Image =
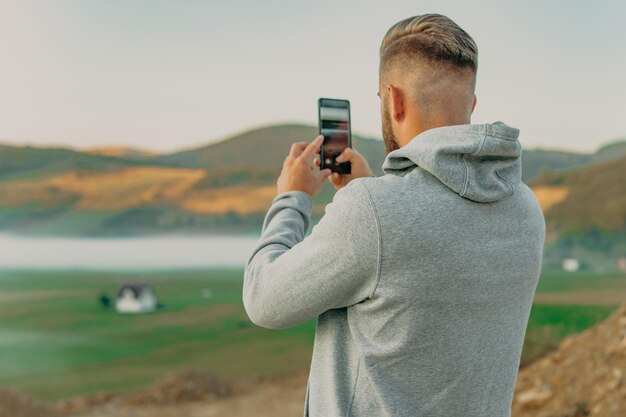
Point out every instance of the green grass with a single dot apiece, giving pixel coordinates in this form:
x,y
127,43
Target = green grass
x,y
567,318
57,341
549,324
561,281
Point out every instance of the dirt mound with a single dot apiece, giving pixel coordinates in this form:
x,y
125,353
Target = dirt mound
x,y
180,387
297,377
259,396
177,388
15,404
585,376
85,402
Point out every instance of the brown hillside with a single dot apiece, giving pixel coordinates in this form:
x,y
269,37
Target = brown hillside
x,y
585,376
595,197
133,187
39,187
102,190
240,199
550,195
121,151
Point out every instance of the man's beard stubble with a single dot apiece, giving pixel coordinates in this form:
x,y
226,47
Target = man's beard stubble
x,y
390,140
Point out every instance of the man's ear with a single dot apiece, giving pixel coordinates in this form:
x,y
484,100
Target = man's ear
x,y
396,101
473,104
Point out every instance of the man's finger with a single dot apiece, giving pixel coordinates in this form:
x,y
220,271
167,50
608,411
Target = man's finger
x,y
297,148
312,148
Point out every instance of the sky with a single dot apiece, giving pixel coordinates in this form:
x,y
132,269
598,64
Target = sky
x,y
171,75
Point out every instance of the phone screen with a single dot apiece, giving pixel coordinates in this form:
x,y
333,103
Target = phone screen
x,y
334,124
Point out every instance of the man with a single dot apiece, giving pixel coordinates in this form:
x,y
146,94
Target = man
x,y
422,279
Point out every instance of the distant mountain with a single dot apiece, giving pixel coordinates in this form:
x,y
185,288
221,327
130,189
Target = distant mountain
x,y
611,150
258,154
536,160
260,148
27,161
585,198
224,186
255,155
263,150
121,152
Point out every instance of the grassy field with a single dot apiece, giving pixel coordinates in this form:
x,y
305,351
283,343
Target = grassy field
x,y
568,303
57,341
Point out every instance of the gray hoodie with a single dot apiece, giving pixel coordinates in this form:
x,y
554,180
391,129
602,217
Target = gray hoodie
x,y
421,279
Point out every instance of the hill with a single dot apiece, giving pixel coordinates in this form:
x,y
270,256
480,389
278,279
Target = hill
x,y
257,155
611,150
121,151
253,156
225,186
28,161
534,161
261,148
262,151
591,197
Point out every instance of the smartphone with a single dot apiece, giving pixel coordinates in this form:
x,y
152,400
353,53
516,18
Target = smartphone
x,y
334,124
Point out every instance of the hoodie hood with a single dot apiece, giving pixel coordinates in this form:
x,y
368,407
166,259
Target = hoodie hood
x,y
479,162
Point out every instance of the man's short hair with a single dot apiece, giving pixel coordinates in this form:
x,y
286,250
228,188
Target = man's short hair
x,y
433,39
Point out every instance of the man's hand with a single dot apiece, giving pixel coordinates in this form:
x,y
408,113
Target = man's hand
x,y
297,172
358,168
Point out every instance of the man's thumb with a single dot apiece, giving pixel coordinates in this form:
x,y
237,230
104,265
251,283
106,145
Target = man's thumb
x,y
323,173
346,155
335,179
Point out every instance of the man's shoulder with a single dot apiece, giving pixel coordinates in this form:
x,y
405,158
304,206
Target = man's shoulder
x,y
391,186
361,195
372,193
355,192
352,205
364,188
382,182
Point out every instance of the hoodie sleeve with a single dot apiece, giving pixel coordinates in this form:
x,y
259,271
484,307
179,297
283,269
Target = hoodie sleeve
x,y
290,279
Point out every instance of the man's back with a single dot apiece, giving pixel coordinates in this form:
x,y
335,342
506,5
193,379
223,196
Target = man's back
x,y
450,240
442,335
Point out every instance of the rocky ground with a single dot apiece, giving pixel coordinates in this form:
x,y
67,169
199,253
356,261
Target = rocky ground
x,y
584,376
15,404
189,394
